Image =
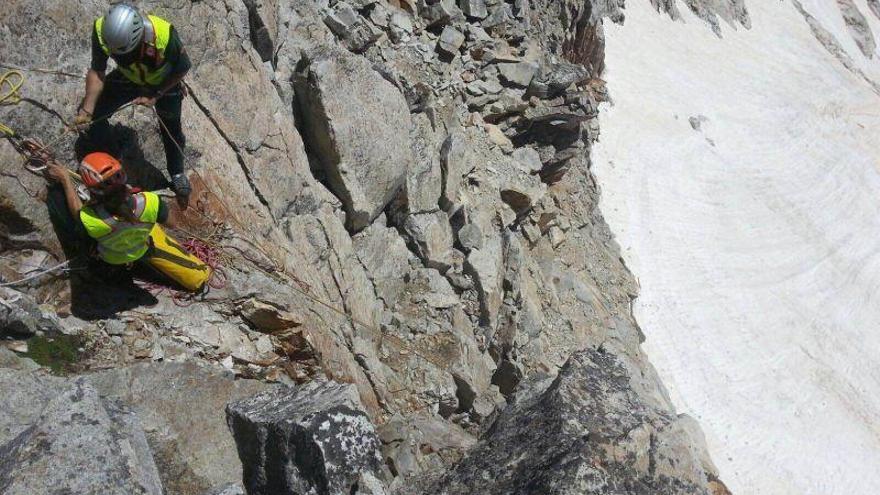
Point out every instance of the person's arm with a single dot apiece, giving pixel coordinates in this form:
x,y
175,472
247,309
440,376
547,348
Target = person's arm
x,y
94,86
94,81
62,175
173,80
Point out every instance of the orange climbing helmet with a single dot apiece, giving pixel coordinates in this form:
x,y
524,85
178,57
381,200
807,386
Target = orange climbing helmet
x,y
101,171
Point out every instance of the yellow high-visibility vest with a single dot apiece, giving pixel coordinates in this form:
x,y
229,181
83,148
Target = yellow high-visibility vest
x,y
157,34
121,241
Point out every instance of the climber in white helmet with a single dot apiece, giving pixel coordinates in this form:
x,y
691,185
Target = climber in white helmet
x,y
150,66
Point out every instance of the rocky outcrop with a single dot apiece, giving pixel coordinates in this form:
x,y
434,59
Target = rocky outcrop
x,y
11,360
352,119
310,439
432,237
401,198
732,12
827,39
180,406
78,442
178,410
421,443
590,431
874,5
21,316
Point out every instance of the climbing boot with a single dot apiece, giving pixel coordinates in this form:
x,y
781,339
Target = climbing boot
x,y
180,185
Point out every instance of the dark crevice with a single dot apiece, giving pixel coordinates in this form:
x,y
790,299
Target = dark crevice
x,y
315,165
305,122
259,34
506,377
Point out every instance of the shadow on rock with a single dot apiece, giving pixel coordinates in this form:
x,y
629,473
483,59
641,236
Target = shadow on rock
x,y
97,290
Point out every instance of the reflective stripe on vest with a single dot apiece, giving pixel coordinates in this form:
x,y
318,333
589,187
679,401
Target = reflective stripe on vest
x,y
120,241
157,34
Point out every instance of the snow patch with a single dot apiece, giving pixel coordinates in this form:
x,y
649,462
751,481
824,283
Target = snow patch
x,y
758,252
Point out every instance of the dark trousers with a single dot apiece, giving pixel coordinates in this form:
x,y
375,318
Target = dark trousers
x,y
117,92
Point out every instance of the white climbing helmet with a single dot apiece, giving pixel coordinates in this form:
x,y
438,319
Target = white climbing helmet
x,y
123,29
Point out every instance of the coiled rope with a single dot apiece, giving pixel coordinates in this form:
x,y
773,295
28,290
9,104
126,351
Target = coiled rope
x,y
10,96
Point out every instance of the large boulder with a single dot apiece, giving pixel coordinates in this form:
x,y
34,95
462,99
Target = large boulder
x,y
352,120
25,396
181,407
590,432
310,439
79,443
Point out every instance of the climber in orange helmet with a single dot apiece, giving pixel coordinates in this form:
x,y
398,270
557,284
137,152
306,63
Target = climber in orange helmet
x,y
125,223
118,219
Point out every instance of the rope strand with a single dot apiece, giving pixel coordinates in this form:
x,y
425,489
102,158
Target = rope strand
x,y
36,275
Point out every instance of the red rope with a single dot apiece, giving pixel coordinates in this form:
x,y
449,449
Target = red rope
x,y
209,255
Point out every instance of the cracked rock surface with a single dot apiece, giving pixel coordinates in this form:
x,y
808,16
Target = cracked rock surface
x,y
76,424
586,431
402,194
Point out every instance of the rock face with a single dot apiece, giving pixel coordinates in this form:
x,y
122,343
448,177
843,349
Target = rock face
x,y
180,405
178,409
421,443
401,199
352,119
589,432
310,439
433,238
24,318
858,27
75,425
731,11
874,5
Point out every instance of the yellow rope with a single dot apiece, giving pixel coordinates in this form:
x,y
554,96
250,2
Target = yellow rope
x,y
11,96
